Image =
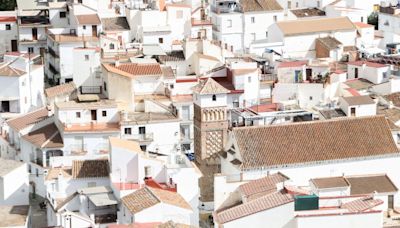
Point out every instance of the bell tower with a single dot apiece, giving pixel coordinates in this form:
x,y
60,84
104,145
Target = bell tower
x,y
210,131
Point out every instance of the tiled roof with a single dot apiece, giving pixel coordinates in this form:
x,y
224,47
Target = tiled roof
x,y
53,173
125,144
147,197
292,64
172,224
90,168
362,204
28,119
257,205
135,69
372,183
9,71
358,100
330,182
265,184
45,137
362,25
318,25
367,63
88,19
66,88
329,42
394,98
260,5
209,86
115,24
168,72
316,141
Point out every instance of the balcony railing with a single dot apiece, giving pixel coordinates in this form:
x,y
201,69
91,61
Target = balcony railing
x,y
141,137
268,78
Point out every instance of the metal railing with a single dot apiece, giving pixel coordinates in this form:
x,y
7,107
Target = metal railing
x,y
140,137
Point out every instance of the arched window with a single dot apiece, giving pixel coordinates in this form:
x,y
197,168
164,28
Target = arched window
x,y
214,97
112,46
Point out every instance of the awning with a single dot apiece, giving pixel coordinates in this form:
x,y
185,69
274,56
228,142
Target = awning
x,y
103,199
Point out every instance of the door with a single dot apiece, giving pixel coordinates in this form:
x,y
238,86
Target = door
x,y
356,73
142,133
93,114
14,45
34,34
94,30
308,74
297,76
42,51
5,106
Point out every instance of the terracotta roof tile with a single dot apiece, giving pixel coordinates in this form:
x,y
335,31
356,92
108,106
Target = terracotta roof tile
x,y
115,24
135,69
342,138
28,119
329,42
260,5
292,64
265,184
394,98
88,19
318,25
361,205
330,182
147,197
209,86
90,168
367,63
67,88
359,100
45,137
9,71
53,173
257,205
369,184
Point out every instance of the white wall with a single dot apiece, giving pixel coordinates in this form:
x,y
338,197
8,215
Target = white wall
x,y
15,186
370,220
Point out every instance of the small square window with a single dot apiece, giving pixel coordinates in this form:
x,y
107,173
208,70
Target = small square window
x,y
86,57
275,18
78,115
249,79
63,14
311,98
8,27
30,49
266,34
84,27
160,40
253,20
104,113
128,131
214,97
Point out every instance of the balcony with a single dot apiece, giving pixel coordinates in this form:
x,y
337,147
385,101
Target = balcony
x,y
78,149
268,78
140,137
36,21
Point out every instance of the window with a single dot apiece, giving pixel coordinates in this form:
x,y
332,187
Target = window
x,y
37,172
214,97
8,27
266,34
179,14
128,131
171,86
362,19
249,79
84,27
229,23
384,74
253,20
80,1
104,113
143,147
86,57
318,4
78,115
160,40
297,5
311,98
30,49
289,4
112,46
63,14
142,130
275,18
105,86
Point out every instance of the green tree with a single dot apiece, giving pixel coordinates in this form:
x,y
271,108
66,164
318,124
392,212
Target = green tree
x,y
373,19
7,5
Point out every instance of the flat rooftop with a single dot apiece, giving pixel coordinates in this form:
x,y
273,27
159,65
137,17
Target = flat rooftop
x,y
13,216
74,104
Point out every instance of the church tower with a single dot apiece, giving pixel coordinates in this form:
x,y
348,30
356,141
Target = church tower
x,y
210,131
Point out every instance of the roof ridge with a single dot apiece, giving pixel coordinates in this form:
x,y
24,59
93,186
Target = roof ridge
x,y
149,189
